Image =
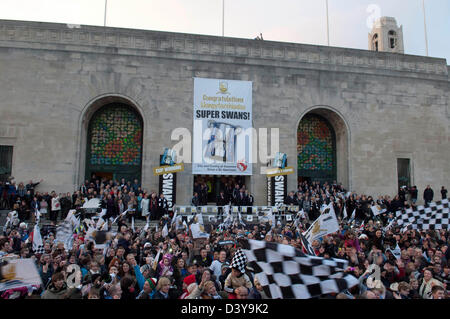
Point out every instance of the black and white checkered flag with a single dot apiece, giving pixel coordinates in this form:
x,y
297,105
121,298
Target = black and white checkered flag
x,y
307,247
239,261
435,216
287,273
37,243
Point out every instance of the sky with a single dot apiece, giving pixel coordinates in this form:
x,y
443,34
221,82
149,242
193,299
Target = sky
x,y
297,21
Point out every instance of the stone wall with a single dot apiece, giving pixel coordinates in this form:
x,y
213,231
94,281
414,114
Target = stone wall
x,y
53,76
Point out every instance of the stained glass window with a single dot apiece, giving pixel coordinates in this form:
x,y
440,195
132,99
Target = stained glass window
x,y
315,147
116,135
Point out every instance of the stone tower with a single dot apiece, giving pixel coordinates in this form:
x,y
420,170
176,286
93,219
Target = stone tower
x,y
386,36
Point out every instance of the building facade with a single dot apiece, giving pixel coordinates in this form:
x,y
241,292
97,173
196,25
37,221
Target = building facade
x,y
82,99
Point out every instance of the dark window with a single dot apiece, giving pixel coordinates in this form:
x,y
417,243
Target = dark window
x,y
392,38
404,172
392,43
5,162
375,42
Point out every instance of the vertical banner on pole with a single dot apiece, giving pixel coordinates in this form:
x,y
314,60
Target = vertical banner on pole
x,y
279,190
276,189
168,186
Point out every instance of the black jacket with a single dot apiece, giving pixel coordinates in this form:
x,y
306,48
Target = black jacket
x,y
428,194
290,200
240,201
222,201
159,295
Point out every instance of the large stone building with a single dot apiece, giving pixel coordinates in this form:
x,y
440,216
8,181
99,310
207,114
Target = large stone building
x,y
371,120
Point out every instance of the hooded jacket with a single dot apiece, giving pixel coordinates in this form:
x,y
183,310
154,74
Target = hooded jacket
x,y
63,293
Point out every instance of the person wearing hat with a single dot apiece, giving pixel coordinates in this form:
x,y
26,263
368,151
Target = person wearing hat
x,y
205,290
237,278
165,267
189,283
148,290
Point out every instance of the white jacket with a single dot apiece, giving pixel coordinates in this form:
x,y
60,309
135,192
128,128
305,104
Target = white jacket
x,y
144,206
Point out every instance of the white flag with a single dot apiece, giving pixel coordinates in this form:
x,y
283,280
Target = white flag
x,y
100,223
198,231
240,219
325,224
165,231
377,210
155,262
344,213
92,203
37,213
123,214
385,229
353,215
174,218
37,238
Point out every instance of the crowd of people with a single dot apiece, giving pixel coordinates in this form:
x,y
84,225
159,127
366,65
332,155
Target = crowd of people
x,y
116,197
141,263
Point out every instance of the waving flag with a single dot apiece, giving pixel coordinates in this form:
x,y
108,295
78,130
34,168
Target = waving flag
x,y
38,244
433,217
325,224
285,272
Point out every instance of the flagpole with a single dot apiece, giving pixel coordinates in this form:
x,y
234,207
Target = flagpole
x,y
425,26
104,19
328,26
223,18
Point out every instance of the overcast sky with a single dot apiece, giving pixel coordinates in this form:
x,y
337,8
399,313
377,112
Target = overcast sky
x,y
298,21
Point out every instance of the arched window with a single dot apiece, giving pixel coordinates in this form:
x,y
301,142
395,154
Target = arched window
x,y
316,149
392,36
114,146
375,42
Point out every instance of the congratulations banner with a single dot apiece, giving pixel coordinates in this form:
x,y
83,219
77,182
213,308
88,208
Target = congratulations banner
x,y
222,139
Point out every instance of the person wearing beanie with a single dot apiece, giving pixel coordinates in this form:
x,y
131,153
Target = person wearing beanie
x,y
148,290
205,290
165,268
188,281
